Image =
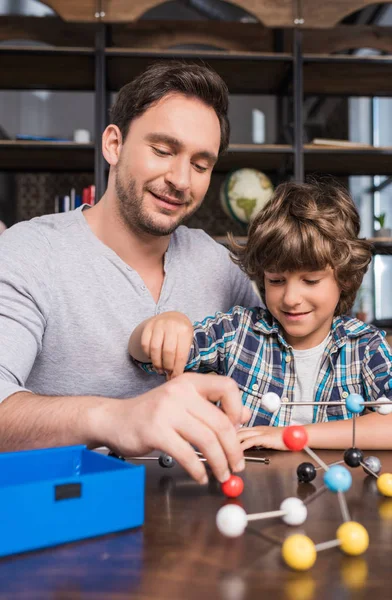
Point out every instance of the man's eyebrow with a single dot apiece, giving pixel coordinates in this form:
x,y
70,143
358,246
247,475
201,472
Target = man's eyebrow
x,y
175,143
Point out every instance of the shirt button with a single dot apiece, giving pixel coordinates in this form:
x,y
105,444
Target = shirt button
x,y
255,387
143,287
288,359
285,400
345,395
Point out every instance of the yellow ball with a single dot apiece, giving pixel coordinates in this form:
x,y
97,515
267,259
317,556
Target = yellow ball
x,y
299,552
384,484
353,537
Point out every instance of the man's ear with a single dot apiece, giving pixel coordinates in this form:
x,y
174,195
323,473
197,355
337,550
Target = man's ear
x,y
111,144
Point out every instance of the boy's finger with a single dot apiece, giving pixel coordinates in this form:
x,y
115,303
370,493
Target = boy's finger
x,y
169,350
181,359
156,344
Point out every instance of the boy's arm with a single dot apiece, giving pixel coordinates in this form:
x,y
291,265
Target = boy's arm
x,y
372,432
170,343
164,341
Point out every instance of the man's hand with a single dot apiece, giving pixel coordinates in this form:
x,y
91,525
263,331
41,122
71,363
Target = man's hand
x,y
165,341
267,437
175,415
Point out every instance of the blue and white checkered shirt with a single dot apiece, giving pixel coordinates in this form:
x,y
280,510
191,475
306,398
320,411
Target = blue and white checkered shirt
x,y
247,344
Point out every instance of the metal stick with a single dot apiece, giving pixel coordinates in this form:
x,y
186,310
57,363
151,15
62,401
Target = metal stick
x,y
338,462
316,458
327,545
261,459
354,418
343,507
266,515
266,460
154,458
369,470
337,403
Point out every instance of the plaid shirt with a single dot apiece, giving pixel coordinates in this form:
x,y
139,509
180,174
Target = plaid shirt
x,y
248,345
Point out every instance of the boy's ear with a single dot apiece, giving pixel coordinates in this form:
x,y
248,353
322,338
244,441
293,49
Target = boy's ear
x,y
112,144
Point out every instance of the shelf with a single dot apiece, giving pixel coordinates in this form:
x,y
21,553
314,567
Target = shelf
x,y
45,156
66,68
69,156
265,157
244,72
34,68
347,75
382,246
335,160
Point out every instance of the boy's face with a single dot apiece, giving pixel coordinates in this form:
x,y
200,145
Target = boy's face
x,y
304,303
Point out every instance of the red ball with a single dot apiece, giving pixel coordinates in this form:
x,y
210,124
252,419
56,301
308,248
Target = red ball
x,y
233,486
295,437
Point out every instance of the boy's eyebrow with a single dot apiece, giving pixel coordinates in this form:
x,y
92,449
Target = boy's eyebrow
x,y
175,143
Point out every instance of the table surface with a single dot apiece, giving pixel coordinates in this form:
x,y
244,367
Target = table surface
x,y
179,554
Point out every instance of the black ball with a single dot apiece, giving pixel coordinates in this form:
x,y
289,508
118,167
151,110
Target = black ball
x,y
353,457
166,461
306,472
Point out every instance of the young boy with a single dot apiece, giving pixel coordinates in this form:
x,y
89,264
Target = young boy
x,y
304,254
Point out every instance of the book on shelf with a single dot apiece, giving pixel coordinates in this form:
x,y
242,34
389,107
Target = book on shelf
x,y
73,200
341,143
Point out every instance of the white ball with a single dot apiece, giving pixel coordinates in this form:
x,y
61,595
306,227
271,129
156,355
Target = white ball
x,y
384,409
296,511
231,520
270,402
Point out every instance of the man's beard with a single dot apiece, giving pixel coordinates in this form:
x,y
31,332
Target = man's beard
x,y
133,215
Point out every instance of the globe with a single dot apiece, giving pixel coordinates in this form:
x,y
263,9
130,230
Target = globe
x,y
243,194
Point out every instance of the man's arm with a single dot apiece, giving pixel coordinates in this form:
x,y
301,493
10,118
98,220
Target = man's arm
x,y
171,418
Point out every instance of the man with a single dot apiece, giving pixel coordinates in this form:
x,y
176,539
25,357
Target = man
x,y
73,286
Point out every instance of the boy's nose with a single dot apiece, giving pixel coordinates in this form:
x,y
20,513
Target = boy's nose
x,y
292,297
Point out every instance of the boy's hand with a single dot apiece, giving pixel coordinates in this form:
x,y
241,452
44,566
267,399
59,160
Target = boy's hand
x,y
167,339
267,437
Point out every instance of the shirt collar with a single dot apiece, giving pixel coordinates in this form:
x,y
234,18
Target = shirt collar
x,y
342,328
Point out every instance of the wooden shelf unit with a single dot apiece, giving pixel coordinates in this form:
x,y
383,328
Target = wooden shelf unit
x,y
18,155
36,68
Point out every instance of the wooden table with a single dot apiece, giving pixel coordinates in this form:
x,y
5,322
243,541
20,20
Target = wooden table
x,y
179,554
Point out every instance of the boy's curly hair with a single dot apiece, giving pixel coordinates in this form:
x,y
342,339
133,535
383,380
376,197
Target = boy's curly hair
x,y
307,226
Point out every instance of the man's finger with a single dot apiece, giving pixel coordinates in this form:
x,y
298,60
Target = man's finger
x,y
219,389
184,454
206,440
223,429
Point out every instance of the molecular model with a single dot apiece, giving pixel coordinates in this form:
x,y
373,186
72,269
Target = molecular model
x,y
298,550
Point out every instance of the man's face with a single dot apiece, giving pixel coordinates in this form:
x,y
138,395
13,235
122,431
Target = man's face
x,y
165,164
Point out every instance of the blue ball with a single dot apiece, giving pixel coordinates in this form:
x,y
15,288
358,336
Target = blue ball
x,y
338,479
354,403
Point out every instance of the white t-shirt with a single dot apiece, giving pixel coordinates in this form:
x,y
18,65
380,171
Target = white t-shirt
x,y
307,366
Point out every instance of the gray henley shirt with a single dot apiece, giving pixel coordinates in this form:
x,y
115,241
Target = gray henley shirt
x,y
68,304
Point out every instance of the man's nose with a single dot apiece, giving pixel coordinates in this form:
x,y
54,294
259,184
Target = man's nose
x,y
179,174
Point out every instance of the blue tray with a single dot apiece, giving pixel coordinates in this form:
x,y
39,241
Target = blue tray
x,y
58,495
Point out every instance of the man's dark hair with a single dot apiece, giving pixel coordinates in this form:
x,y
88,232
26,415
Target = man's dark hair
x,y
170,77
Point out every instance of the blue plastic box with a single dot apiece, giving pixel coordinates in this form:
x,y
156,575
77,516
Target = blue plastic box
x,y
58,495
